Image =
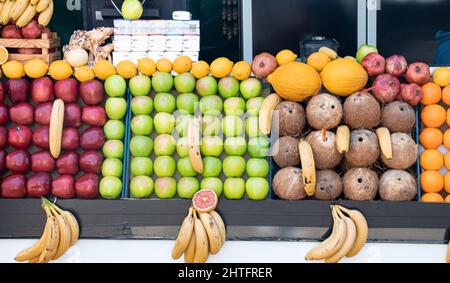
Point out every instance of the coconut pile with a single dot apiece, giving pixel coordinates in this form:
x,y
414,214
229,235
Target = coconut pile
x,y
373,166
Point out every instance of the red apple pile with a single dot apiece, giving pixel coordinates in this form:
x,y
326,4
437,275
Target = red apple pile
x,y
31,31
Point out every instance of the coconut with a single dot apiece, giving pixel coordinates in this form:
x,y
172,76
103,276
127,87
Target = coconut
x,y
328,185
324,149
404,152
398,185
399,116
364,149
360,184
285,152
362,111
292,118
288,184
324,111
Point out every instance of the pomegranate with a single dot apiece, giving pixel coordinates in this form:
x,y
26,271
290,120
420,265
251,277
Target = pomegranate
x,y
386,88
263,65
411,94
374,64
396,65
418,73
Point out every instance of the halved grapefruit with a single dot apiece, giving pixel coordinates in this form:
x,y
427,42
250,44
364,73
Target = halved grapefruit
x,y
205,201
3,55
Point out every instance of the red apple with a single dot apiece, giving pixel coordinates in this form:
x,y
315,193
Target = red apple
x,y
22,114
41,137
67,90
42,161
42,113
63,187
92,92
396,65
418,73
18,161
4,114
20,137
374,64
11,31
94,116
32,30
70,139
3,137
42,90
2,161
2,92
263,65
411,94
92,138
86,186
67,163
18,90
29,51
39,185
14,186
91,162
72,115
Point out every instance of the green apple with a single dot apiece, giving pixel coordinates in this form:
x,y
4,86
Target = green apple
x,y
142,125
182,124
140,85
364,50
228,87
142,105
165,145
212,167
211,105
257,167
165,102
116,108
187,103
141,166
234,106
110,187
132,10
254,105
113,149
214,184
164,166
165,188
252,127
211,125
257,188
234,188
206,86
183,147
112,167
235,146
187,187
164,123
141,187
162,82
114,130
251,88
232,126
211,146
141,146
234,166
185,169
115,86
259,147
185,83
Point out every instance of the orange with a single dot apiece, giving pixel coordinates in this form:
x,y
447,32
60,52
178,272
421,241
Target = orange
x,y
164,65
446,95
126,69
447,139
431,181
447,160
146,66
60,70
447,199
442,76
103,69
432,94
13,70
433,116
3,55
182,64
200,69
35,68
447,182
84,74
221,67
448,117
432,197
241,71
286,56
431,138
431,159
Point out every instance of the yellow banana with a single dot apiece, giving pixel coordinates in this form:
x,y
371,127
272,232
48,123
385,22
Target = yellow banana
x,y
219,221
56,127
201,241
35,250
384,138
362,230
18,8
184,236
266,111
349,240
34,260
51,246
329,52
42,5
4,15
2,4
46,15
308,167
34,2
73,225
212,230
26,16
195,156
343,139
64,234
189,253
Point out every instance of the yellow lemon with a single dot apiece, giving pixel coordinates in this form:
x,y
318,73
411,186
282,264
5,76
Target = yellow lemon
x,y
164,65
241,70
182,64
200,69
60,70
285,56
103,69
3,55
35,68
318,61
146,66
126,69
84,73
221,67
13,70
442,76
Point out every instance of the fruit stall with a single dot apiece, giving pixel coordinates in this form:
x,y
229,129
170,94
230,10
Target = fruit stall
x,y
124,131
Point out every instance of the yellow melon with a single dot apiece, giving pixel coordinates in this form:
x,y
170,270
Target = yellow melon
x,y
344,77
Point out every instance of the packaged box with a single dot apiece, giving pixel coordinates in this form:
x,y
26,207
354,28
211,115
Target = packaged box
x,y
191,43
135,56
174,27
193,55
122,43
181,16
191,27
120,56
172,55
157,27
174,43
139,43
122,27
157,43
155,56
140,27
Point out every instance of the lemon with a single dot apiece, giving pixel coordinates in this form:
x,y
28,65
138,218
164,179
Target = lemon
x,y
13,70
146,66
60,70
126,69
182,64
84,73
242,70
35,68
103,69
318,61
286,56
200,69
221,67
164,65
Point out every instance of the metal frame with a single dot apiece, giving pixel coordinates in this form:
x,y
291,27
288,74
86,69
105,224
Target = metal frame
x,y
247,30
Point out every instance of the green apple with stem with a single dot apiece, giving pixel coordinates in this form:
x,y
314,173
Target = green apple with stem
x,y
187,103
113,149
115,86
142,105
165,145
141,146
251,88
257,167
162,82
140,85
114,130
141,166
110,187
257,188
116,108
164,166
165,188
187,187
234,166
141,187
228,87
142,125
206,86
112,167
234,188
164,123
165,102
185,83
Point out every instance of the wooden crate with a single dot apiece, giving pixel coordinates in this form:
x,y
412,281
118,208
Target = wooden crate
x,y
45,44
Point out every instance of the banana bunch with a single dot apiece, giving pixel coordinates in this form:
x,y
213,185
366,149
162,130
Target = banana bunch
x,y
60,233
22,12
350,232
200,234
